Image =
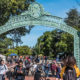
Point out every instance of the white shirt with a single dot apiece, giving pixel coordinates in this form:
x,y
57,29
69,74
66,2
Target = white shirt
x,y
3,69
35,66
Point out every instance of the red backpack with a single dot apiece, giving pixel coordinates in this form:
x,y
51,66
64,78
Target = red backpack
x,y
53,67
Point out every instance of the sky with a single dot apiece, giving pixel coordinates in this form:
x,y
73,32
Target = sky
x,y
55,7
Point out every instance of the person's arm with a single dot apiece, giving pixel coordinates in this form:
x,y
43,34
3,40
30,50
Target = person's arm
x,y
77,71
62,72
6,68
24,71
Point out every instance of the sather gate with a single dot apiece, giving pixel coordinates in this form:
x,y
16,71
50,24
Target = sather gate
x,y
37,16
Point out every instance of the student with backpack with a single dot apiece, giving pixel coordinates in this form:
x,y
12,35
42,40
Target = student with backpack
x,y
70,71
53,69
27,66
19,71
58,70
37,60
37,74
47,68
3,70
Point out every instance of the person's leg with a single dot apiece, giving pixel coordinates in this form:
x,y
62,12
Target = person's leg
x,y
27,71
35,75
47,73
0,77
3,77
52,72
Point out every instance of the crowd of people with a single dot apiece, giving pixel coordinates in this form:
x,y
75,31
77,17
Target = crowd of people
x,y
16,68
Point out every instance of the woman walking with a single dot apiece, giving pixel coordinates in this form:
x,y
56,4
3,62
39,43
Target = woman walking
x,y
70,71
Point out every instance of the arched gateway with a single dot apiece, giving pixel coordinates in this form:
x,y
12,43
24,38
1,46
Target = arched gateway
x,y
37,16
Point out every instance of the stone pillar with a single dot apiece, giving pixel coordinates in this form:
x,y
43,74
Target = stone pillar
x,y
77,48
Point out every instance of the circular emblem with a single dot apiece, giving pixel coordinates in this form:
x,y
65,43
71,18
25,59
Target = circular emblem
x,y
35,10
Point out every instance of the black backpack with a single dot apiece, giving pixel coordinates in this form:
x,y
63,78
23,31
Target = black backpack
x,y
69,74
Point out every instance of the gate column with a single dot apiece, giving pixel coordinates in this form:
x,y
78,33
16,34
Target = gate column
x,y
77,48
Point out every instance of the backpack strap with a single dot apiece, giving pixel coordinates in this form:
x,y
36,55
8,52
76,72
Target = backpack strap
x,y
69,74
5,67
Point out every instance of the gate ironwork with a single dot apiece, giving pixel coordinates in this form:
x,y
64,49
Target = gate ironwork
x,y
37,16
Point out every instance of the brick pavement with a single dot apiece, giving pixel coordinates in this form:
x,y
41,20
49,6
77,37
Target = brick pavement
x,y
31,78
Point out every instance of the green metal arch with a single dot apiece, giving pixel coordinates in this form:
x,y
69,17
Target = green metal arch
x,y
20,21
37,16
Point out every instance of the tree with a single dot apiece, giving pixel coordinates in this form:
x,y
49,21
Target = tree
x,y
23,50
14,7
55,42
5,44
65,45
8,42
16,34
56,36
43,45
73,19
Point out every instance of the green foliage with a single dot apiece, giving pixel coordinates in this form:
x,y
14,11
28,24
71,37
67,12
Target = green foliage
x,y
44,42
11,51
12,7
23,50
52,43
20,50
5,44
73,19
16,34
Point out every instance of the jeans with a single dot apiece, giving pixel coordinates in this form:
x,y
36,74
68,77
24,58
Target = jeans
x,y
2,77
19,78
47,73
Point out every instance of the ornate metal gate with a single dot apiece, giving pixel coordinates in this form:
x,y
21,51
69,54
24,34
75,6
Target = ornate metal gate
x,y
37,16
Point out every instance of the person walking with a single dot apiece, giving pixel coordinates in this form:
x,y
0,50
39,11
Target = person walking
x,y
27,66
53,69
3,70
70,71
19,71
58,70
47,68
37,74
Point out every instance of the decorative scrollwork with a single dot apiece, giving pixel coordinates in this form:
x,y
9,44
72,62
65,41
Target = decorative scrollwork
x,y
37,16
78,33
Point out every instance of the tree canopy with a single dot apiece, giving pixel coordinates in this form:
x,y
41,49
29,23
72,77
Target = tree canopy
x,y
55,42
12,7
9,8
73,19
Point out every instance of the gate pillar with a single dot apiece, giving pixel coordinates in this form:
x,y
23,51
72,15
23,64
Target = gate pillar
x,y
77,48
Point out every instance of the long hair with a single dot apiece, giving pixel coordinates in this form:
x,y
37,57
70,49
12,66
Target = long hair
x,y
0,60
70,61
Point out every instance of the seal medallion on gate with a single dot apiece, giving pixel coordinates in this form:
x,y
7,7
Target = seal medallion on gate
x,y
35,10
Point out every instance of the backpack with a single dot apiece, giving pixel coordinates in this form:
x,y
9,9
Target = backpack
x,y
69,74
1,68
28,65
53,67
5,67
37,60
26,61
19,76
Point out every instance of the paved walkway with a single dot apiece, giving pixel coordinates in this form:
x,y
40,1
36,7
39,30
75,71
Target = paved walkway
x,y
50,78
31,78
